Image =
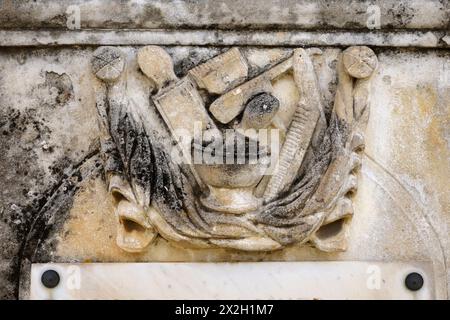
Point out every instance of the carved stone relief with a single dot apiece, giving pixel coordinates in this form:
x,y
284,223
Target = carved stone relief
x,y
250,167
161,133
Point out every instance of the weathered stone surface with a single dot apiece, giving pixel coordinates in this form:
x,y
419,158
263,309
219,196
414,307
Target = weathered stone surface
x,y
268,14
418,104
68,198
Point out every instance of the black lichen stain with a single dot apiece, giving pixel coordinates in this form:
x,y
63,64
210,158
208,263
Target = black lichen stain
x,y
34,200
399,15
59,85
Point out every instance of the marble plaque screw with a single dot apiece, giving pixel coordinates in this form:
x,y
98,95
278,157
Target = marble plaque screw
x,y
414,281
50,279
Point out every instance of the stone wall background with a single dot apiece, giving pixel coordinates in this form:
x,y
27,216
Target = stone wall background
x,y
53,202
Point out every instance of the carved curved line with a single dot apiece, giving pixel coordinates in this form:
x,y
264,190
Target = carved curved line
x,y
40,215
418,214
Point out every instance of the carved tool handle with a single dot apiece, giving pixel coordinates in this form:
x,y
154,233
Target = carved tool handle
x,y
302,126
157,65
231,104
178,101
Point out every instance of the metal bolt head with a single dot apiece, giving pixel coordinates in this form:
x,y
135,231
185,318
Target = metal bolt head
x,y
359,61
50,279
414,281
108,63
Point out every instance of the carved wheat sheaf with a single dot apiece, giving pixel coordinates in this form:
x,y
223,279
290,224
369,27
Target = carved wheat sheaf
x,y
307,197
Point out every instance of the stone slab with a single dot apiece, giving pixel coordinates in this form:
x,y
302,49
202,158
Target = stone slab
x,y
262,280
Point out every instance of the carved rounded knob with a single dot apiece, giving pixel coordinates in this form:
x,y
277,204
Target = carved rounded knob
x,y
359,61
108,63
260,110
157,65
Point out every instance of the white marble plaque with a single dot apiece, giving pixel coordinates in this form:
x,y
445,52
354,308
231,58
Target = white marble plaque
x,y
262,280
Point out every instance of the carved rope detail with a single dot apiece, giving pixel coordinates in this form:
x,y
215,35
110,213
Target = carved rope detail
x,y
307,197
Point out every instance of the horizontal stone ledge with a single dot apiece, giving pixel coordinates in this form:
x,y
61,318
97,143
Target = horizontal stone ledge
x,y
226,14
422,39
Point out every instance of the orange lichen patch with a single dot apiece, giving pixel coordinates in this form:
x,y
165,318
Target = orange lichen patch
x,y
421,118
439,154
426,99
89,233
418,101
